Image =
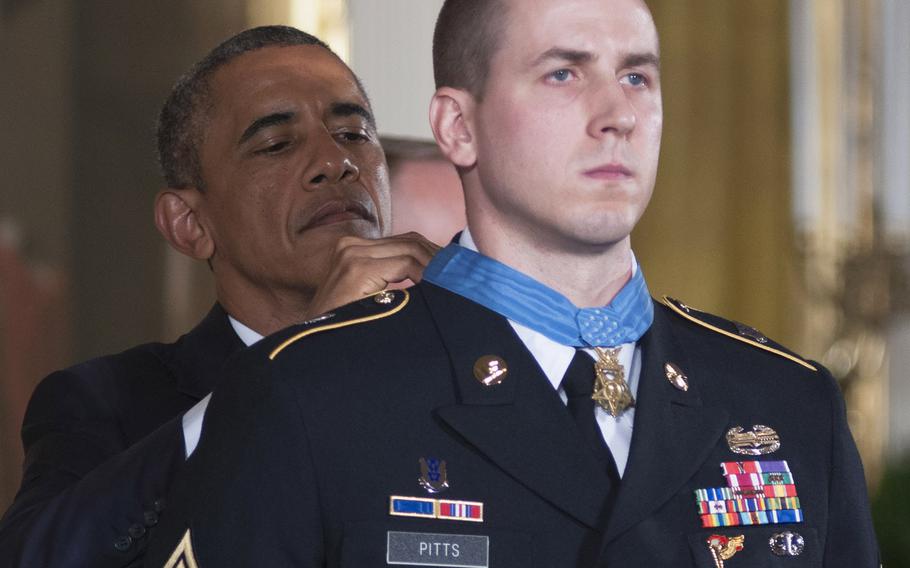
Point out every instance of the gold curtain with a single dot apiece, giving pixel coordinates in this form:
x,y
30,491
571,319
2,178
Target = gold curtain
x,y
718,233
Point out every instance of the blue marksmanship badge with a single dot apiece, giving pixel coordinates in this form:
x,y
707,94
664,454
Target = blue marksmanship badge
x,y
433,475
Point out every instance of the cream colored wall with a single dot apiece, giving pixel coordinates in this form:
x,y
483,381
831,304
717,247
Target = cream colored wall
x,y
391,51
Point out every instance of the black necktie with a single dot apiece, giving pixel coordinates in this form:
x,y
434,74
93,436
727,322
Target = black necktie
x,y
578,384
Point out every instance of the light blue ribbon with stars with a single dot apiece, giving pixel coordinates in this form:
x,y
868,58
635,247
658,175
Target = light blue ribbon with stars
x,y
526,301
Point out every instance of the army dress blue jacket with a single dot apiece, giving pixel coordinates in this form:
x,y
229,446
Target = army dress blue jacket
x,y
319,447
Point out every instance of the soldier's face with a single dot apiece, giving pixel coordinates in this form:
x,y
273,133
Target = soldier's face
x,y
568,129
292,162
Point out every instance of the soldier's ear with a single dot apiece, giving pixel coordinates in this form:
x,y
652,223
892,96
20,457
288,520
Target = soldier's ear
x,y
451,118
177,216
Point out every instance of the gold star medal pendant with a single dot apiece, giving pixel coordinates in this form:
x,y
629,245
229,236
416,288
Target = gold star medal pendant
x,y
611,391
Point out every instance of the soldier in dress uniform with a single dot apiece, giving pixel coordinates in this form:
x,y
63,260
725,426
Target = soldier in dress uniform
x,y
529,403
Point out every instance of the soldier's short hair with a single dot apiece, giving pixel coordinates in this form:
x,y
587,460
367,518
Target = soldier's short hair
x,y
468,33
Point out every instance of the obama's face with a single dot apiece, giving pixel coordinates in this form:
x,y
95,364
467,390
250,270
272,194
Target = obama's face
x,y
291,162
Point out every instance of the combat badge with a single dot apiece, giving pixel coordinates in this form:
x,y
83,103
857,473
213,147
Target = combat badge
x,y
787,544
759,441
724,548
433,476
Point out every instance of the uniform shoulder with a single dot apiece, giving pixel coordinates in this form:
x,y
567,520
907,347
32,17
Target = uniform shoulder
x,y
372,308
733,330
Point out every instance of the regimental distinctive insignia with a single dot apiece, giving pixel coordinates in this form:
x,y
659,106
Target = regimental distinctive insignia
x,y
724,547
759,441
490,370
318,318
787,543
384,297
183,556
446,509
757,493
610,389
676,376
433,475
750,332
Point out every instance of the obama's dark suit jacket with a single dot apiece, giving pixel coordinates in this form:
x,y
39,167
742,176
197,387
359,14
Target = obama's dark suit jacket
x,y
103,441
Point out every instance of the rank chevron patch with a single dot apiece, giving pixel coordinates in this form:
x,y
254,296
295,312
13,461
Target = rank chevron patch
x,y
182,556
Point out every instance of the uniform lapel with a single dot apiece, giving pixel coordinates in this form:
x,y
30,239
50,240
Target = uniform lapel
x,y
521,425
673,433
198,356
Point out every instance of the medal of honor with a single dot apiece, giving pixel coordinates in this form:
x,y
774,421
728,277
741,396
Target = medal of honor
x,y
610,389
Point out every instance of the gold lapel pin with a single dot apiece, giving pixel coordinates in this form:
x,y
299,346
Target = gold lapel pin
x,y
676,377
490,370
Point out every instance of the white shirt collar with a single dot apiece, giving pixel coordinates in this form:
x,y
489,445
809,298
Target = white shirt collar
x,y
246,335
554,359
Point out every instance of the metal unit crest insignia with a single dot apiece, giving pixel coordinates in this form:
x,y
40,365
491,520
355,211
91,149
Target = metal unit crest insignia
x,y
750,332
759,441
490,370
384,297
433,476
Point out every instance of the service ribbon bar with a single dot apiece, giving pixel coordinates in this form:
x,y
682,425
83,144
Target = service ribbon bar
x,y
759,479
412,507
731,468
757,493
747,505
460,510
779,490
755,518
436,509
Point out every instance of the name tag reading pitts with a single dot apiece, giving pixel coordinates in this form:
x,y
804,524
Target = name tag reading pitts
x,y
432,549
